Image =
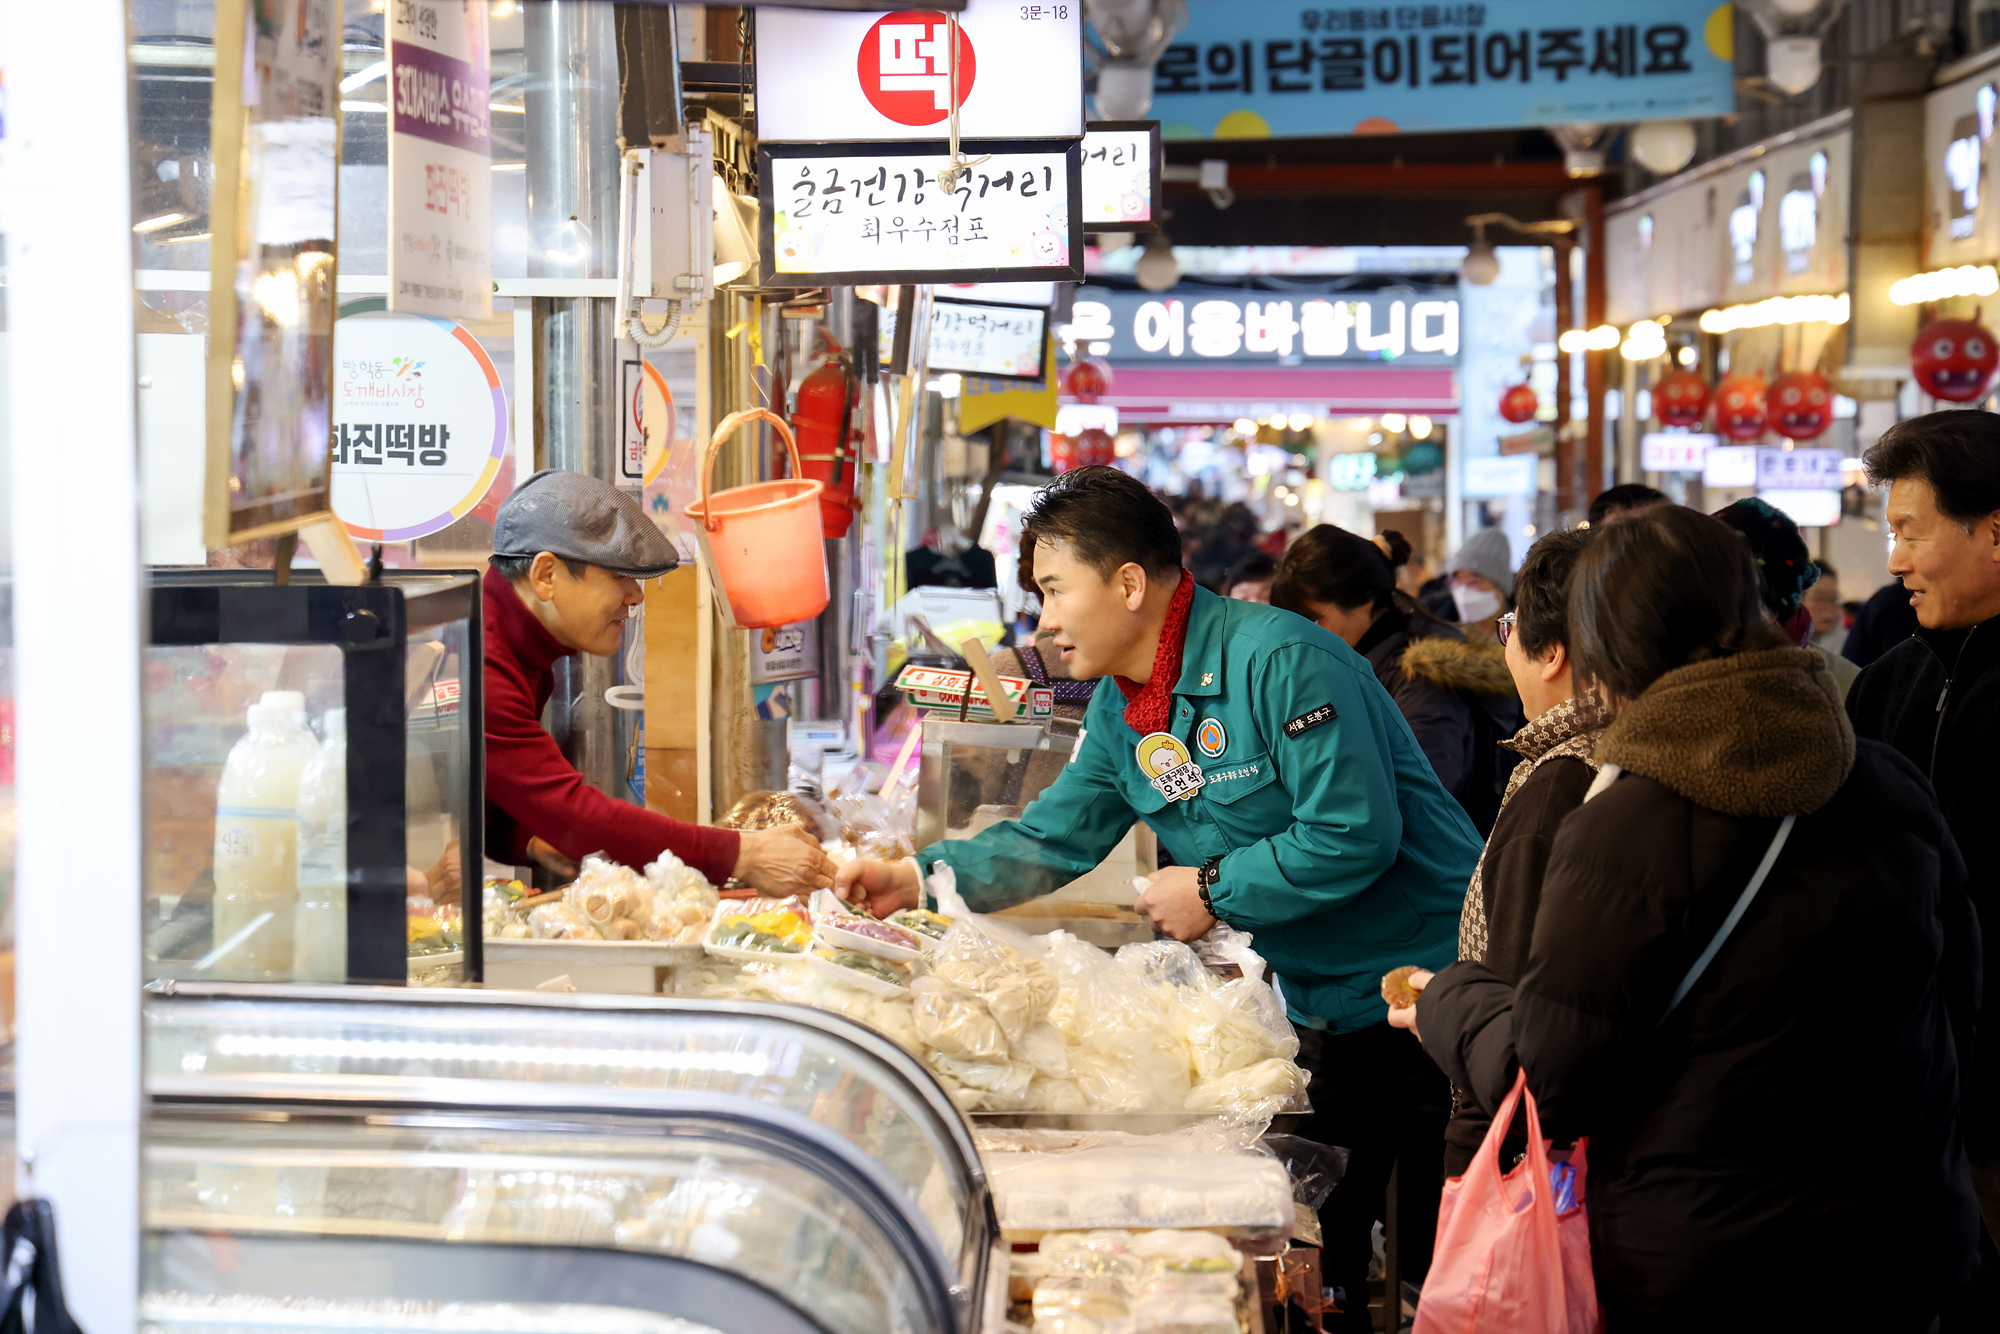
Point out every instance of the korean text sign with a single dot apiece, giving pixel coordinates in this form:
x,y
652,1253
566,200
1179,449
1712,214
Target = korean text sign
x,y
825,77
1002,341
1254,70
1121,176
420,424
874,213
1271,327
440,160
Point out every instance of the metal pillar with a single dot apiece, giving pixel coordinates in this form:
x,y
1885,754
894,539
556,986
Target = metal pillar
x,y
572,114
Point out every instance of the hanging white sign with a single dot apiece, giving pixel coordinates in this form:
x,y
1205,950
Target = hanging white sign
x,y
875,214
440,161
1121,176
1003,342
825,77
420,424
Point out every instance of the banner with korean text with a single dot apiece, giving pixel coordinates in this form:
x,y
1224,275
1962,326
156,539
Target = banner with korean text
x,y
440,161
1253,69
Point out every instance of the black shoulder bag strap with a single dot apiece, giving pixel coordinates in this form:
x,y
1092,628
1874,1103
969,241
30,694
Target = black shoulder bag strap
x,y
32,1299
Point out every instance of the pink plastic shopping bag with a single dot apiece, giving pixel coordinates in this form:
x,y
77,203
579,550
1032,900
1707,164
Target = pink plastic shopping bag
x,y
1506,1262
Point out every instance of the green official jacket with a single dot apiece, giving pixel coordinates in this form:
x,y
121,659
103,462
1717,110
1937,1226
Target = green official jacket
x,y
1340,850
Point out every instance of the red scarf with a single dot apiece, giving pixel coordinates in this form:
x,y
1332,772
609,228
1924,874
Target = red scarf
x,y
1148,707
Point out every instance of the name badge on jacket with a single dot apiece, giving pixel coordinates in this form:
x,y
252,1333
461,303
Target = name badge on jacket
x,y
1168,766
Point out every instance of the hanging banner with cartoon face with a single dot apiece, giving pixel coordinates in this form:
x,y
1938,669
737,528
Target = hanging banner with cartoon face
x,y
874,213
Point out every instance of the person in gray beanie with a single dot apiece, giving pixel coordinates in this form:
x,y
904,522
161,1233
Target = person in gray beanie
x,y
1482,583
569,552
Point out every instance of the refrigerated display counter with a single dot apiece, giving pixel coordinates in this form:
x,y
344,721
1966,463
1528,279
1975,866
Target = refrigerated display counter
x,y
348,1158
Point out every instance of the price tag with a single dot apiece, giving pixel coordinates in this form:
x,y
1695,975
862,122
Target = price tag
x,y
874,213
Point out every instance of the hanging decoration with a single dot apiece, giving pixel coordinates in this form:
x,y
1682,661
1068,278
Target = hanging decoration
x,y
1087,380
1094,446
1800,405
1519,404
1680,398
1739,407
1955,359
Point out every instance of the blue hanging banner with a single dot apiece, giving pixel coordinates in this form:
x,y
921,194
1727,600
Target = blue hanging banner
x,y
1256,69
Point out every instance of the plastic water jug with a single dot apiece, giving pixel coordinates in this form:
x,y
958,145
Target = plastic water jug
x,y
319,945
256,841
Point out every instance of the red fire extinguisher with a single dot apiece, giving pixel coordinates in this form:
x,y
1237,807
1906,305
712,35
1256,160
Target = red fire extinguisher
x,y
821,421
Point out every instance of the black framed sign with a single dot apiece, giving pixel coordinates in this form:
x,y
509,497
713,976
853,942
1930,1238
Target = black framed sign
x,y
990,341
847,214
1121,176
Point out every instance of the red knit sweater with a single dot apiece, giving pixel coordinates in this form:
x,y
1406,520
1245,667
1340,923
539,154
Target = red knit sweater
x,y
532,790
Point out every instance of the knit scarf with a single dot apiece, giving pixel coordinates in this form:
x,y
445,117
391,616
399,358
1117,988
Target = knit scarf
x,y
1148,707
1568,731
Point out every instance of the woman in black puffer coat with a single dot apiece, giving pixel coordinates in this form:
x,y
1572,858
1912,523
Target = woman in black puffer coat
x,y
1458,697
1783,1151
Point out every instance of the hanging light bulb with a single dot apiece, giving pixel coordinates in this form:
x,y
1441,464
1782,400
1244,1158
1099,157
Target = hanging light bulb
x,y
1157,269
1792,31
1134,33
1663,147
1481,265
1583,146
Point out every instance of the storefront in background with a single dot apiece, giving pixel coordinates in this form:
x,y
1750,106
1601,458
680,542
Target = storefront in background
x,y
1733,279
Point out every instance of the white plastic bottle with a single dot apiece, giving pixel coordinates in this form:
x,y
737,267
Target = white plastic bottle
x,y
319,946
256,841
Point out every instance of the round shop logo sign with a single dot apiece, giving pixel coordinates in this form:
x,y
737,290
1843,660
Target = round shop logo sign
x,y
419,424
906,67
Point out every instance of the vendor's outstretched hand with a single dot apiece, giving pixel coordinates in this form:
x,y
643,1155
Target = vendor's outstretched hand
x,y
885,887
1172,898
785,859
544,855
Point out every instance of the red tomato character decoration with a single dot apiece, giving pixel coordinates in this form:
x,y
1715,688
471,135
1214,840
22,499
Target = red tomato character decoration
x,y
1739,407
1063,454
1680,398
1954,359
1087,380
1519,404
1800,405
1094,445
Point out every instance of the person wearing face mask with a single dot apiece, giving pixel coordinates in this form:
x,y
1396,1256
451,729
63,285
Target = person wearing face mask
x,y
1454,690
568,554
1482,581
1292,794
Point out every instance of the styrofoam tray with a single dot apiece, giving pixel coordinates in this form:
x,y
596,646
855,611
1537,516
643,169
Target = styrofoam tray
x,y
447,959
850,977
837,938
505,949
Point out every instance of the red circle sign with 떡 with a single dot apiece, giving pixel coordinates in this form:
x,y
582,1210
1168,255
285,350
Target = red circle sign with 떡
x,y
906,66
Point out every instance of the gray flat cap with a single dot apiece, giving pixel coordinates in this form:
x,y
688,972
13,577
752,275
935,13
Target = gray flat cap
x,y
580,518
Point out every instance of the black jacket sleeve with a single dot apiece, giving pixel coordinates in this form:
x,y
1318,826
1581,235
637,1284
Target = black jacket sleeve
x,y
1466,1018
1517,857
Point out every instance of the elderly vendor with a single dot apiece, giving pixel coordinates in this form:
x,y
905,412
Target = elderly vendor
x,y
568,554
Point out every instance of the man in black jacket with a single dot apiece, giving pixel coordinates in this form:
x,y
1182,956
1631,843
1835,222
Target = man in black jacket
x,y
1936,696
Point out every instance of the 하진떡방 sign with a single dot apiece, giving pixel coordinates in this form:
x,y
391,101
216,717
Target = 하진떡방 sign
x,y
440,160
420,424
874,213
1251,71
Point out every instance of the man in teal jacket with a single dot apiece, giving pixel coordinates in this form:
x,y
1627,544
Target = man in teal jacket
x,y
1290,792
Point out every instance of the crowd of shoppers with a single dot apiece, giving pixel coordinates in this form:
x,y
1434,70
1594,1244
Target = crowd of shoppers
x,y
1650,709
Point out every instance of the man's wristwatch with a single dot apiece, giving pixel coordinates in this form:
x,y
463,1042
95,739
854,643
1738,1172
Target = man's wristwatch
x,y
1210,872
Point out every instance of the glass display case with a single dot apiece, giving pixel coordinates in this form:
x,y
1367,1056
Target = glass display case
x,y
357,1158
314,776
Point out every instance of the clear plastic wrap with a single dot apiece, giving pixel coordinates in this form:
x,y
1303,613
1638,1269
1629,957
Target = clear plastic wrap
x,y
954,1021
757,929
1264,1089
604,890
1109,1187
1123,1055
673,880
1172,1313
559,919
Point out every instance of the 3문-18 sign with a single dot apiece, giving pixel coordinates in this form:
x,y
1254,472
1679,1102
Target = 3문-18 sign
x,y
874,213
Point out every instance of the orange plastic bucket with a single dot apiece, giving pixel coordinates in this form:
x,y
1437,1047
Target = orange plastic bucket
x,y
765,537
